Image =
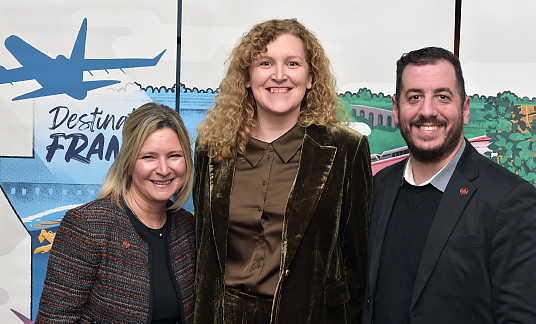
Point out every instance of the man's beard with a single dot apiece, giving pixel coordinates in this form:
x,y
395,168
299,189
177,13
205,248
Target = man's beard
x,y
434,154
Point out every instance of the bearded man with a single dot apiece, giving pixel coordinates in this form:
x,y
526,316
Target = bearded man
x,y
453,234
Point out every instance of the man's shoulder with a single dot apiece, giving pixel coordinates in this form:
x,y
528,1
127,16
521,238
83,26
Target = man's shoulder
x,y
499,174
494,177
391,172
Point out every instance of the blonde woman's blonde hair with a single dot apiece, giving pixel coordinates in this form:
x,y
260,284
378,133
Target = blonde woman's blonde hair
x,y
227,127
138,126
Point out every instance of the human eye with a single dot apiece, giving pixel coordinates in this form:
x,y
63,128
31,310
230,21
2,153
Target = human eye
x,y
443,97
176,154
146,157
265,63
414,98
293,64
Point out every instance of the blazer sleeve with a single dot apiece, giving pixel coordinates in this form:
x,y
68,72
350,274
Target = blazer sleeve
x,y
358,196
513,257
200,190
71,271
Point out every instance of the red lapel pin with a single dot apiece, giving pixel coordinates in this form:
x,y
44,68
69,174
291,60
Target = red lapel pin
x,y
464,191
126,244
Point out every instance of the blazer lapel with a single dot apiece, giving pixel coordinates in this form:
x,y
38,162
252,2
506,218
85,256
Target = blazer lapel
x,y
453,202
385,209
221,182
305,192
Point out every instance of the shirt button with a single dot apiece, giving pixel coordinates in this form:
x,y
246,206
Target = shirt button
x,y
287,273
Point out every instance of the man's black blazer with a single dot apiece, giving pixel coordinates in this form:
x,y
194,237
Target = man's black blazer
x,y
479,260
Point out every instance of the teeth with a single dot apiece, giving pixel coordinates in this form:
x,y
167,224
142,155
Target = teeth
x,y
278,90
428,128
161,182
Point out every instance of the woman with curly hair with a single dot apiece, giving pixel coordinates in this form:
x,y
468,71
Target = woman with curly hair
x,y
282,190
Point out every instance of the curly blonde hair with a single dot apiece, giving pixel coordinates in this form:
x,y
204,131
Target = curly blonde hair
x,y
227,127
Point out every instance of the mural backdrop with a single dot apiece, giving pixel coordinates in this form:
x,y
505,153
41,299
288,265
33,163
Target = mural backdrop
x,y
499,65
364,40
70,74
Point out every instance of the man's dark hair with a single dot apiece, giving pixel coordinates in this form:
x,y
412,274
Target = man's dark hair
x,y
425,56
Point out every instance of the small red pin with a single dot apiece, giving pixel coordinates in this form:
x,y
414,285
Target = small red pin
x,y
464,191
126,244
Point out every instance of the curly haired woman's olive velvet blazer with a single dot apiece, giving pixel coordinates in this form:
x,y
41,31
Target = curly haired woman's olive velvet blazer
x,y
323,245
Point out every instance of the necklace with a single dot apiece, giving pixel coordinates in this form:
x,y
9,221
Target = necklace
x,y
158,232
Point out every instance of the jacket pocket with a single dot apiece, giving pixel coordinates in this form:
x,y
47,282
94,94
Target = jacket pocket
x,y
337,294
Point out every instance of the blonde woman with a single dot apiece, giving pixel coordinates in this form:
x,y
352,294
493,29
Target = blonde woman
x,y
128,257
282,191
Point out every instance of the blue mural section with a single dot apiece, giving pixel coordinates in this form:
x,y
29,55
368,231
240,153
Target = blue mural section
x,y
41,207
74,145
193,104
38,66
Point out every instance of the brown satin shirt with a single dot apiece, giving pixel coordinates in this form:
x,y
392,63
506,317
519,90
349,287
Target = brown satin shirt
x,y
261,186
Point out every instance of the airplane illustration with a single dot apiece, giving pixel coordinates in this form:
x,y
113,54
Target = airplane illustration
x,y
62,75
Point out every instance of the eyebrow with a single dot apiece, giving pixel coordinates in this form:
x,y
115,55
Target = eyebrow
x,y
290,57
413,90
444,90
154,152
438,90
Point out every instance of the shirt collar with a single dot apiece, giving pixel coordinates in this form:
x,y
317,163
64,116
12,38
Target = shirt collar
x,y
285,146
441,179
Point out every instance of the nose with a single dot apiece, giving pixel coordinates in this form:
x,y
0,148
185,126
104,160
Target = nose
x,y
280,73
162,167
428,108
